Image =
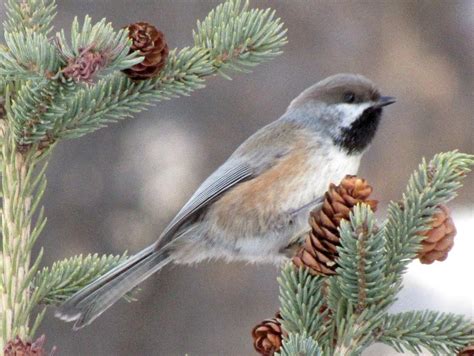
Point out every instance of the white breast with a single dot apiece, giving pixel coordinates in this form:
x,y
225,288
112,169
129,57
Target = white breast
x,y
322,168
330,167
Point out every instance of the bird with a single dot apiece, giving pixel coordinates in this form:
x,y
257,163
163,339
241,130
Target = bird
x,y
255,206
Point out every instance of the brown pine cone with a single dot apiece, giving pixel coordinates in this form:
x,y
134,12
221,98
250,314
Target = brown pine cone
x,y
18,347
467,351
319,252
151,44
439,238
267,336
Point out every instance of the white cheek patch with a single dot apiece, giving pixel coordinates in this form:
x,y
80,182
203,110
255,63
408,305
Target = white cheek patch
x,y
348,113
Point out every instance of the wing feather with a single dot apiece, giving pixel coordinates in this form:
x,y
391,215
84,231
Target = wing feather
x,y
224,178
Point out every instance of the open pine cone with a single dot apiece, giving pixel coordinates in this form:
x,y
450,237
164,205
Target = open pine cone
x,y
319,252
267,336
151,44
439,239
85,66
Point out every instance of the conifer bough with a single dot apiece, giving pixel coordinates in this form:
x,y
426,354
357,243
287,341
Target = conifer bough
x,y
54,88
42,102
344,313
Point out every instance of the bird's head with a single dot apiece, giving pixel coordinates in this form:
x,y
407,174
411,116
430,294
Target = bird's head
x,y
345,108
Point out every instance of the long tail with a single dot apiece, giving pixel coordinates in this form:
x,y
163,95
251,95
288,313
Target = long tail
x,y
91,301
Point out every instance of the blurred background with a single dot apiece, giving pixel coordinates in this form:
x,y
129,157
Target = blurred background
x,y
116,189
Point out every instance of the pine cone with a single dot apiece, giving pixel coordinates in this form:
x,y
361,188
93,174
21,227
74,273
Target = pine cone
x,y
18,347
84,67
467,351
151,44
267,336
319,252
439,238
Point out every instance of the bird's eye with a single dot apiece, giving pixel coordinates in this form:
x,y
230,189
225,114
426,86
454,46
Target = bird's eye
x,y
349,97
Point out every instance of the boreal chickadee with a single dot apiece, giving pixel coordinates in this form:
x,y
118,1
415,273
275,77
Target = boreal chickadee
x,y
255,206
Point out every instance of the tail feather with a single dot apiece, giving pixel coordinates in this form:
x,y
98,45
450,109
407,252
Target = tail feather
x,y
90,302
89,289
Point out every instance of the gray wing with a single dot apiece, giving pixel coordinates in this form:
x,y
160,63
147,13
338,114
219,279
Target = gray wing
x,y
225,177
257,154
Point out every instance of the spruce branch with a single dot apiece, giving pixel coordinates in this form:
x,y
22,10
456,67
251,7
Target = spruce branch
x,y
432,184
353,330
3,87
116,97
439,333
301,301
34,15
23,185
99,38
29,108
53,285
301,345
371,263
232,36
119,97
238,38
35,111
28,55
360,275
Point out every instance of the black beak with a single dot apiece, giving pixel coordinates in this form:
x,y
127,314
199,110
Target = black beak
x,y
384,101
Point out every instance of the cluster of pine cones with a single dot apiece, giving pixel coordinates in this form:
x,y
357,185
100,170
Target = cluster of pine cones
x,y
319,251
146,40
